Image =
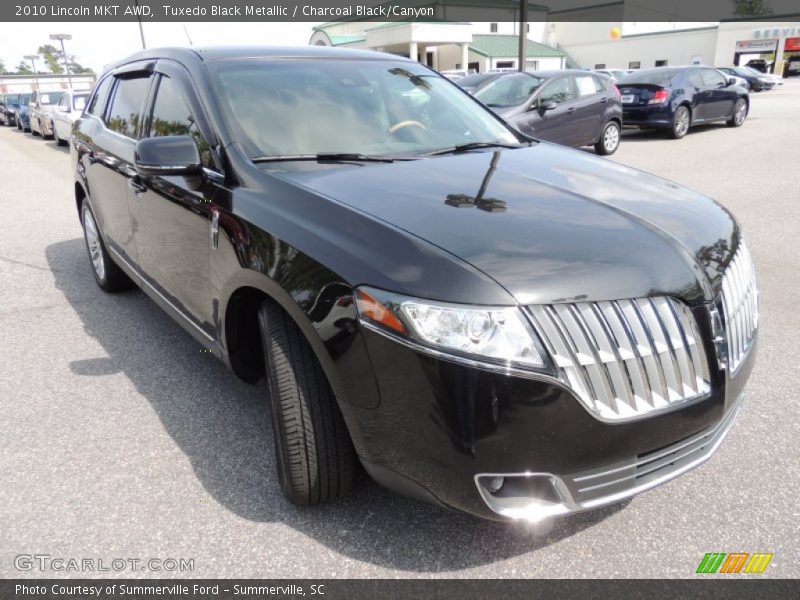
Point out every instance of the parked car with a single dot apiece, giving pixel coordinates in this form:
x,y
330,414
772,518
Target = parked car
x,y
759,64
737,80
40,108
504,327
68,109
792,67
677,98
573,108
758,81
22,117
615,74
9,103
470,83
775,79
456,74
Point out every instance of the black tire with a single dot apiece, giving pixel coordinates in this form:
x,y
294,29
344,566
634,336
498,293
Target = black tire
x,y
681,121
315,458
33,131
110,278
19,126
609,140
739,114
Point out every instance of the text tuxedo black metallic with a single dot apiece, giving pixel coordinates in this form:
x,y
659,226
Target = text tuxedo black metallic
x,y
497,325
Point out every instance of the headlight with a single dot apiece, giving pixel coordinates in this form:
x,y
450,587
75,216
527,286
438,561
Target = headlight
x,y
499,335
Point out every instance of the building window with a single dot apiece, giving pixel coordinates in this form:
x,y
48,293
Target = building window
x,y
504,64
531,65
493,27
474,67
662,63
600,66
634,64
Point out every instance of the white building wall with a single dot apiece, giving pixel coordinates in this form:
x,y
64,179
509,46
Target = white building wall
x,y
679,48
730,33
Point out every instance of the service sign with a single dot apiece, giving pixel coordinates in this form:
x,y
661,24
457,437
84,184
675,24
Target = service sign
x,y
757,46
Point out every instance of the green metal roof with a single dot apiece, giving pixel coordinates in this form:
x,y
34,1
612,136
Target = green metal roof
x,y
338,40
498,45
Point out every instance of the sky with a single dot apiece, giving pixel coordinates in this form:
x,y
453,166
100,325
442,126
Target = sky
x,y
97,44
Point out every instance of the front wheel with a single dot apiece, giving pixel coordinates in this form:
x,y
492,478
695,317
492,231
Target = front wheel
x,y
315,458
739,113
680,123
58,140
108,275
609,140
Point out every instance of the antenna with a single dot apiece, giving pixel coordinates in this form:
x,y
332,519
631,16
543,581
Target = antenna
x,y
186,31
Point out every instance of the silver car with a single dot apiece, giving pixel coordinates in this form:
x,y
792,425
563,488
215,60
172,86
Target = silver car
x,y
40,108
69,108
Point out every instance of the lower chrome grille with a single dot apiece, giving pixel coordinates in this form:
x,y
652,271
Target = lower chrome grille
x,y
647,470
740,306
627,358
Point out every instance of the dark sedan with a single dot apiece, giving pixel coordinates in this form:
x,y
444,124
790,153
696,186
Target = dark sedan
x,y
677,98
573,108
501,326
471,83
758,81
9,105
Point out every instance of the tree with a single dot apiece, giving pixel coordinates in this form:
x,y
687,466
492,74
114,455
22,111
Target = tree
x,y
751,8
52,57
24,69
2,67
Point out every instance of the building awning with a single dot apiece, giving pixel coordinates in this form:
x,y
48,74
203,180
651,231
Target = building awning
x,y
504,46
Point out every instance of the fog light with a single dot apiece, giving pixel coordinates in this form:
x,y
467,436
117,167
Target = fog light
x,y
496,484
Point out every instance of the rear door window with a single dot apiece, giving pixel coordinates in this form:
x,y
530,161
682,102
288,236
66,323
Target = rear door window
x,y
712,78
127,105
558,91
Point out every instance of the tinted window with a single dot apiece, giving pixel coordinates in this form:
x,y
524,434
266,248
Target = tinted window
x,y
696,78
712,78
557,91
171,116
649,76
508,90
125,112
98,102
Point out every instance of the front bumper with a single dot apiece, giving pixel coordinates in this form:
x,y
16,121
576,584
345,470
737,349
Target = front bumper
x,y
442,431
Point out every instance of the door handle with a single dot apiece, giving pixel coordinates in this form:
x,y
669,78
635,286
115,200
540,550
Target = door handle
x,y
91,158
137,186
571,109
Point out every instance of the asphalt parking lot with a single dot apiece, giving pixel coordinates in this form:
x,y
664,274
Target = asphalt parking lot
x,y
119,438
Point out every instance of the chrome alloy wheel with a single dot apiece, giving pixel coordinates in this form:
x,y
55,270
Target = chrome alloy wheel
x,y
682,121
741,112
611,138
93,244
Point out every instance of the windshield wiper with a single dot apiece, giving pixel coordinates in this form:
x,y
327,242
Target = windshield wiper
x,y
473,146
330,156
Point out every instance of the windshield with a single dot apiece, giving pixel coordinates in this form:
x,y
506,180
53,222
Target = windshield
x,y
749,71
79,101
298,107
508,90
24,99
48,98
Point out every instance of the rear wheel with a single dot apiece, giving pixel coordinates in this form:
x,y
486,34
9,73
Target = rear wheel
x,y
58,140
315,457
739,113
19,125
108,275
609,140
680,123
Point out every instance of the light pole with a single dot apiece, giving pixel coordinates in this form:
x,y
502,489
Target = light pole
x,y
61,37
32,58
141,29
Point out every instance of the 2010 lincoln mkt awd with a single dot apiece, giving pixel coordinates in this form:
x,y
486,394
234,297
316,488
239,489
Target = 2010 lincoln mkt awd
x,y
495,324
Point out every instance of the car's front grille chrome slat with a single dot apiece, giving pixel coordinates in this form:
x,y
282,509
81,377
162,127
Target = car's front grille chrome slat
x,y
740,306
628,358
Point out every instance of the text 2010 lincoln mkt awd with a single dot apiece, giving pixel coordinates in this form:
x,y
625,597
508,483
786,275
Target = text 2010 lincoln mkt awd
x,y
497,325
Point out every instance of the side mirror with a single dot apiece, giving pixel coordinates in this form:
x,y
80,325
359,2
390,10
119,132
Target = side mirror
x,y
547,105
731,81
64,109
168,155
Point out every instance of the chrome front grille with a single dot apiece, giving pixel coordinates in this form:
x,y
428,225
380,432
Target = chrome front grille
x,y
740,306
628,358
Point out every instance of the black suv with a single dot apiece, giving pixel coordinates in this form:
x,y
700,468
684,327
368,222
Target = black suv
x,y
506,327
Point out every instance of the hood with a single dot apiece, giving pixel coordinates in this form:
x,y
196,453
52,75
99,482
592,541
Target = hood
x,y
548,223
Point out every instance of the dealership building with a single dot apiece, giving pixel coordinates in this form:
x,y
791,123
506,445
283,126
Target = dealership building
x,y
553,44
